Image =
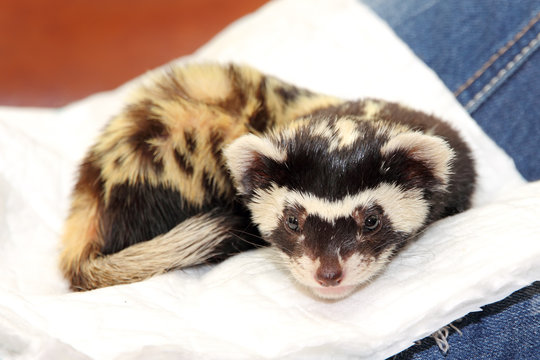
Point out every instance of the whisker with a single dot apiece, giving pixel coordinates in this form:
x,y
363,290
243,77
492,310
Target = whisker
x,y
254,244
287,251
235,232
383,245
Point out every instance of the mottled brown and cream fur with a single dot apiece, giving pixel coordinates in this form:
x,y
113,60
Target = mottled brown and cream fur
x,y
155,192
171,136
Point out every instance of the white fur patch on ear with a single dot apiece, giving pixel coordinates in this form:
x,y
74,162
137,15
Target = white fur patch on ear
x,y
433,151
241,157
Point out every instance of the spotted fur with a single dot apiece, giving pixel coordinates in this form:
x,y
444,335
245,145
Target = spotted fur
x,y
206,159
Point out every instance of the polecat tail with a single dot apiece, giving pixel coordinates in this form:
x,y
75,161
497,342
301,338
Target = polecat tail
x,y
192,242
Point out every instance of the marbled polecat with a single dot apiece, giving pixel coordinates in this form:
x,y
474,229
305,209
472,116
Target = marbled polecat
x,y
210,160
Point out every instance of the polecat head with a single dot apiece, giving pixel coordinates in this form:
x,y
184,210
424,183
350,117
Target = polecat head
x,y
339,196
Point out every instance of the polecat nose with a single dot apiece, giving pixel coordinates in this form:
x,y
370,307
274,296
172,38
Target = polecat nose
x,y
329,275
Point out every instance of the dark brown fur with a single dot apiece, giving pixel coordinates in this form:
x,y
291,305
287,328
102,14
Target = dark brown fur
x,y
155,188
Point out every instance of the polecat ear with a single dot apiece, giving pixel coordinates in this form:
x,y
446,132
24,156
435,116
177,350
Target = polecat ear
x,y
250,159
420,158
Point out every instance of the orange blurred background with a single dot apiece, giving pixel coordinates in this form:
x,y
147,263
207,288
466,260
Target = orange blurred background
x,y
57,51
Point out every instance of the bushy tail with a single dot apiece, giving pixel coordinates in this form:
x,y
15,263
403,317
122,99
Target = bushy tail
x,y
192,242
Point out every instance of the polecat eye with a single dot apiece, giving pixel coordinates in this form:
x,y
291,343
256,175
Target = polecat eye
x,y
372,222
292,223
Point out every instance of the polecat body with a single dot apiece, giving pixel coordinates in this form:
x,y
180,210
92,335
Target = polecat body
x,y
209,159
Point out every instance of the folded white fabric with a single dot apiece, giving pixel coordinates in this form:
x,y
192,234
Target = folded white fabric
x,y
247,307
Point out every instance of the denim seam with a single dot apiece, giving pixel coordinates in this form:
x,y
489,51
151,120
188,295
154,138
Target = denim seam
x,y
503,74
496,56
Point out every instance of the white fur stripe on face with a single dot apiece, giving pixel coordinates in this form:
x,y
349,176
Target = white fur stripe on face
x,y
407,210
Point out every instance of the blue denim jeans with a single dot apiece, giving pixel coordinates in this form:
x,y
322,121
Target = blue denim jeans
x,y
508,329
486,52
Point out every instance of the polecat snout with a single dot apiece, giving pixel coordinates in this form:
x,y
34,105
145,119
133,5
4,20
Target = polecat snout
x,y
208,159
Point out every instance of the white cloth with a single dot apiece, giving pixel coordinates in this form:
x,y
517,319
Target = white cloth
x,y
247,307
